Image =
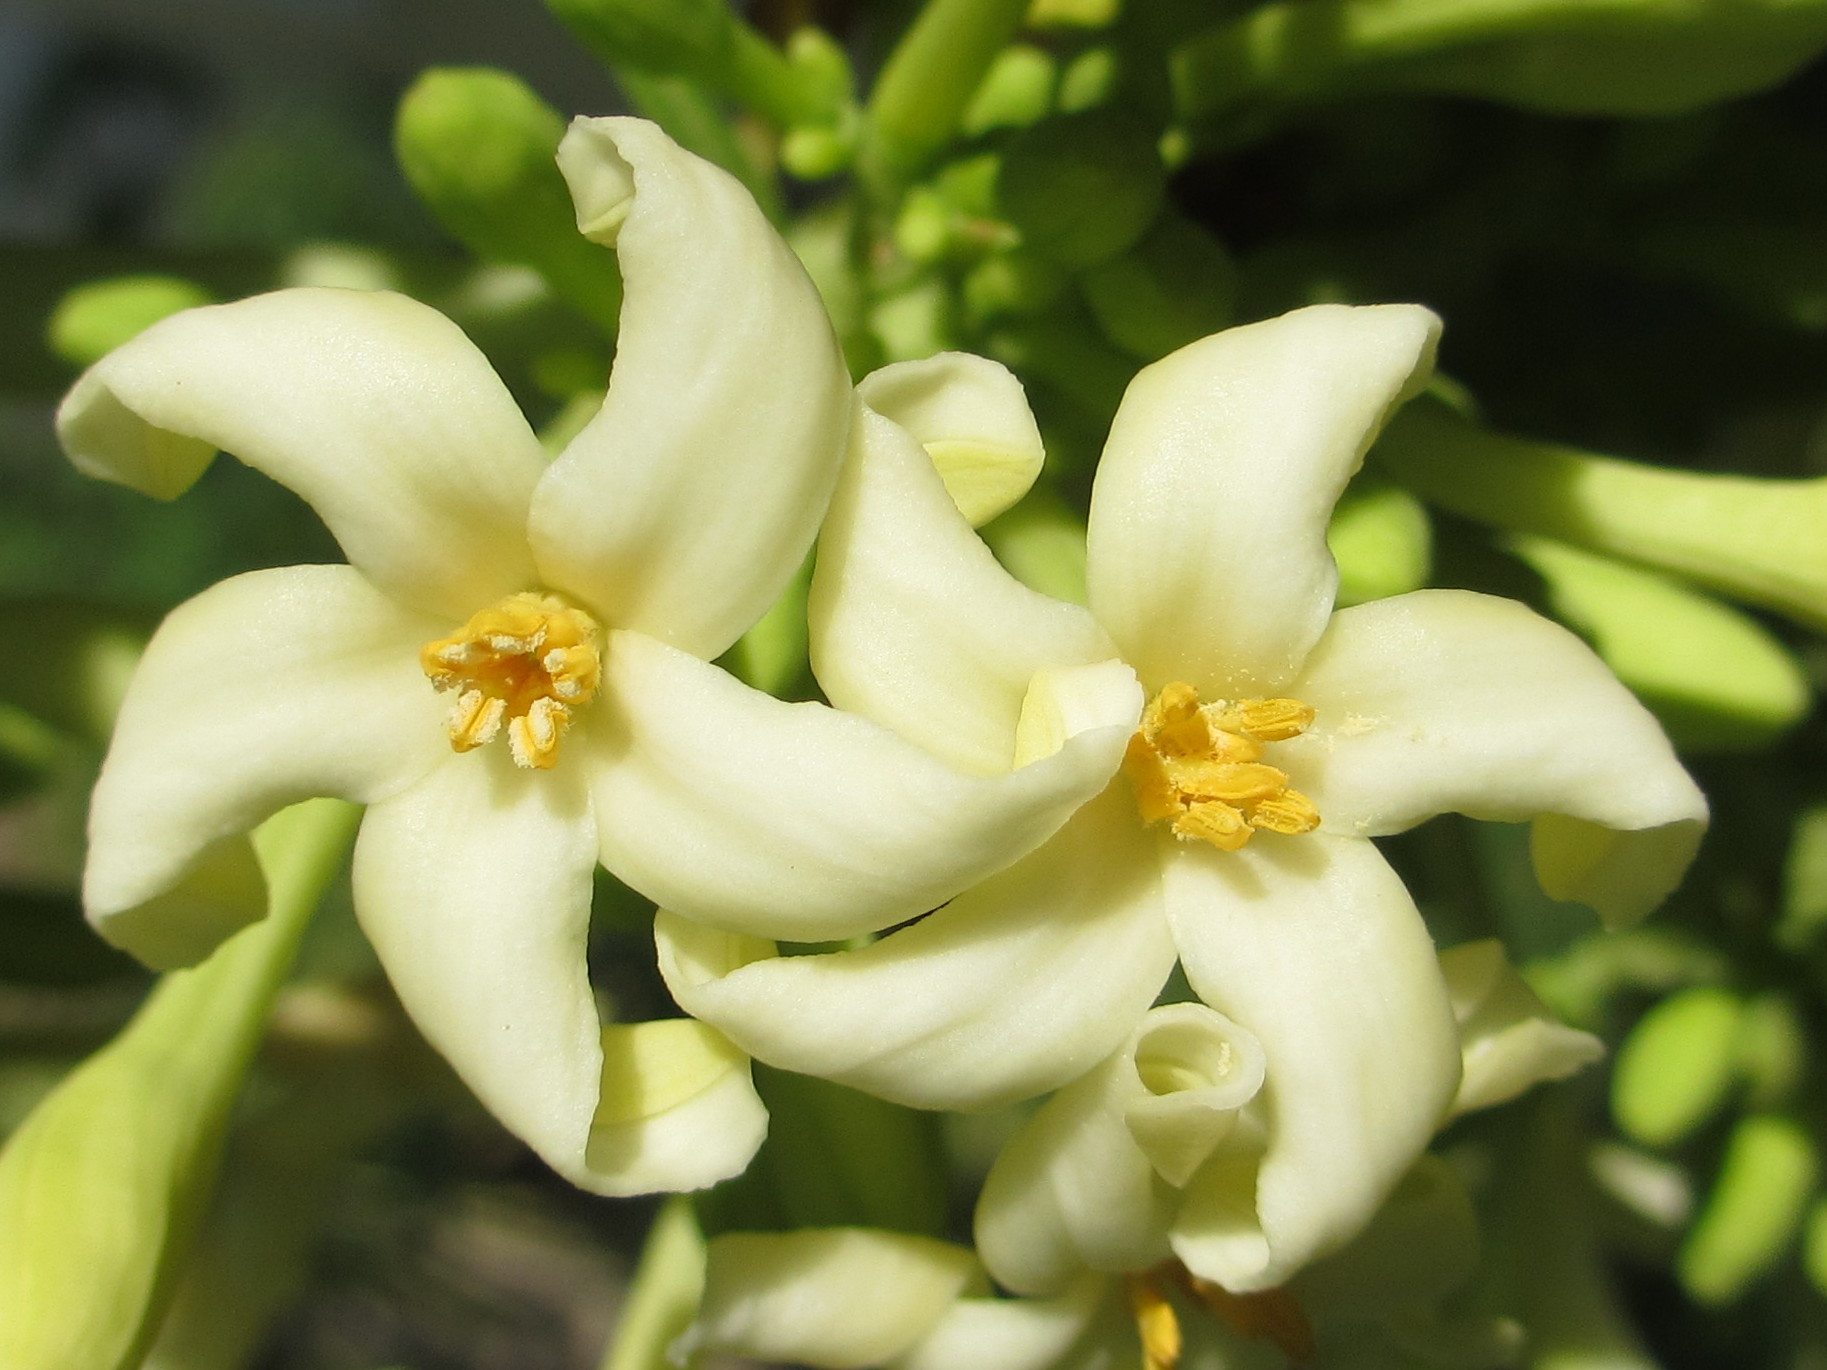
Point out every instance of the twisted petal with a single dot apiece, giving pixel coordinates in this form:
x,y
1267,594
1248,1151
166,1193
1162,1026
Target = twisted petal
x,y
1007,1334
684,507
1508,1040
678,1109
913,622
972,417
372,406
266,689
474,887
1313,942
1444,700
1012,988
1208,558
796,821
838,1297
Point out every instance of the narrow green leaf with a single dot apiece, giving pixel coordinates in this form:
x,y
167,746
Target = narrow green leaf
x,y
102,1185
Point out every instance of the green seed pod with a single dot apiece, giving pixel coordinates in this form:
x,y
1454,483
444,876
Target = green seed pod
x,y
1676,1066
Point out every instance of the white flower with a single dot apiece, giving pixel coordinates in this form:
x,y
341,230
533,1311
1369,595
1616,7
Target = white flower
x,y
513,671
1278,738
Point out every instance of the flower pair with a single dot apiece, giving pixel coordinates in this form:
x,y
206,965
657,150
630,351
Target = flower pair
x,y
513,673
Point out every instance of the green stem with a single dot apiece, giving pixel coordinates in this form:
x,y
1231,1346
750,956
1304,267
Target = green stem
x,y
928,82
1759,540
663,1297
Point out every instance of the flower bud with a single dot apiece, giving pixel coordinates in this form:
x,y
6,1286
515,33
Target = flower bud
x,y
477,146
94,319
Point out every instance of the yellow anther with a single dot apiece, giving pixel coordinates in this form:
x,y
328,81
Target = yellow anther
x,y
1266,720
1156,1324
1235,782
1196,767
528,663
1289,812
1214,821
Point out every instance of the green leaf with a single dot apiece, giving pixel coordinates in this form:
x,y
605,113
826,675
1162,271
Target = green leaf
x,y
102,1186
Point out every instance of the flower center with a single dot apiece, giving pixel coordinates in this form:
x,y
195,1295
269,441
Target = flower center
x,y
1198,767
529,662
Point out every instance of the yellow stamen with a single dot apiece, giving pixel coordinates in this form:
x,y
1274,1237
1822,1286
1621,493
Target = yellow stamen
x,y
1197,767
528,663
1156,1324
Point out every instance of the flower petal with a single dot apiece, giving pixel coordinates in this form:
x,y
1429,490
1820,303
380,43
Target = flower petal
x,y
1007,1334
266,689
1446,700
1208,558
474,887
1314,944
796,821
1508,1040
972,417
1013,988
913,622
685,506
838,1297
678,1109
372,406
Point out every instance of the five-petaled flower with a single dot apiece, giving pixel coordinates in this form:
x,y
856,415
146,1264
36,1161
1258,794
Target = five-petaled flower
x,y
1271,739
514,669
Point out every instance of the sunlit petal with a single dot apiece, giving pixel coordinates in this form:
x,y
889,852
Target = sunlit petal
x,y
840,1298
1208,558
1444,700
266,689
678,1110
1313,942
684,507
1007,1334
913,622
474,887
796,821
1014,987
371,405
972,417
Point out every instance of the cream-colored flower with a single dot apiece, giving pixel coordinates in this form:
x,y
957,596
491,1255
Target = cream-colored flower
x,y
513,671
1276,739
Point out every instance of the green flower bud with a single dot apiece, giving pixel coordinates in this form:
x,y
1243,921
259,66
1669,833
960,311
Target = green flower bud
x,y
1083,187
1016,92
1012,283
477,145
1751,1216
94,319
1675,1068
